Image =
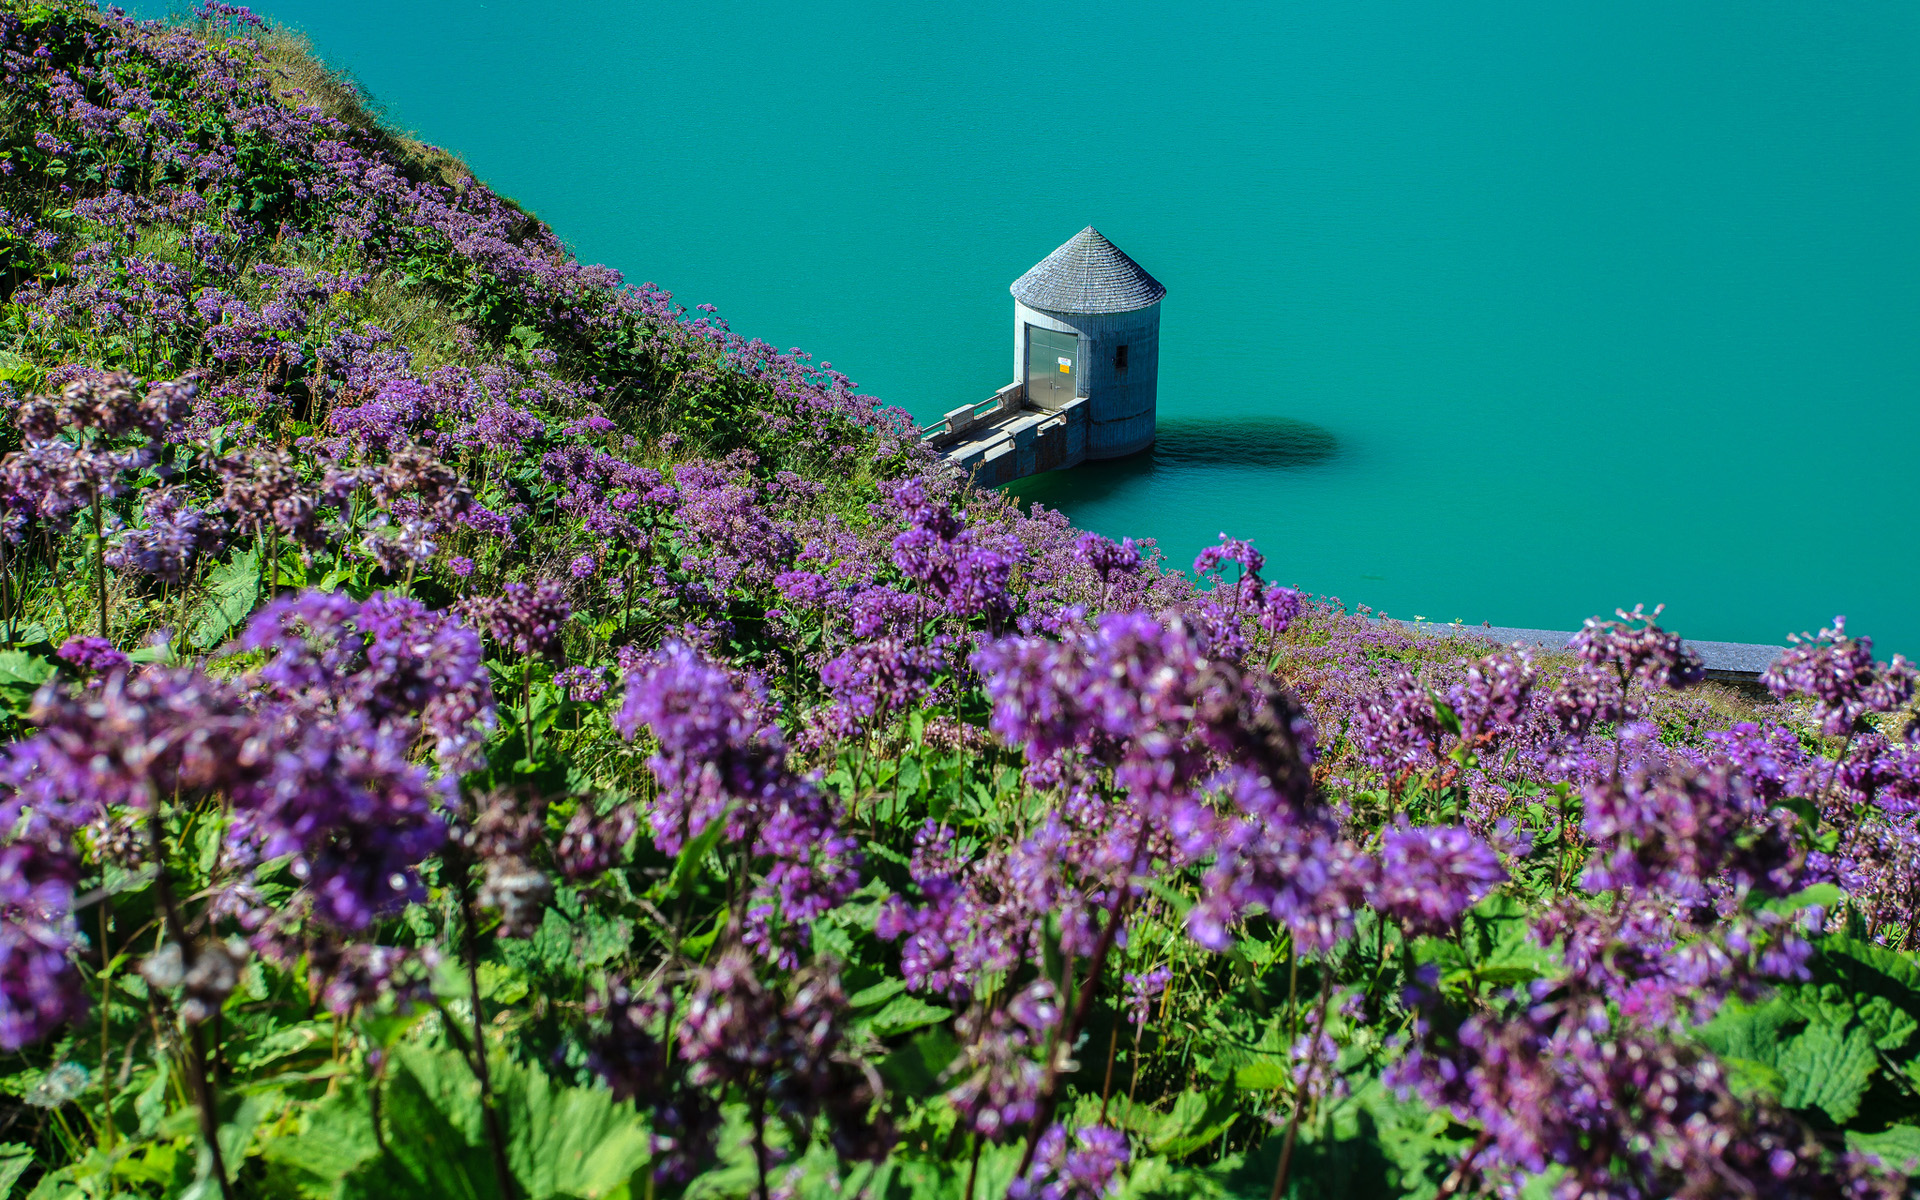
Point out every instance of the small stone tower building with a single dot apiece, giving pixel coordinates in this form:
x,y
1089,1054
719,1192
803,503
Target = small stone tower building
x,y
1086,322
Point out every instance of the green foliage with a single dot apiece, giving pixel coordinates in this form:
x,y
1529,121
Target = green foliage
x,y
233,588
427,1136
1495,949
1840,1047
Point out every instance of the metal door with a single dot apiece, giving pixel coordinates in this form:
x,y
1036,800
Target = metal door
x,y
1053,367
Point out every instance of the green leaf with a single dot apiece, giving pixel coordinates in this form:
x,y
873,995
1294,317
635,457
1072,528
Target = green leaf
x,y
1828,1068
21,675
1179,902
693,855
1756,1033
885,990
1863,966
25,635
232,589
567,1141
1897,1146
337,1139
916,1068
15,1158
1196,1120
562,1142
1826,895
1262,1075
901,1014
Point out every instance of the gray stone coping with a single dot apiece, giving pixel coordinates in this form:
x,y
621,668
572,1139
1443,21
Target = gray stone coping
x,y
1741,660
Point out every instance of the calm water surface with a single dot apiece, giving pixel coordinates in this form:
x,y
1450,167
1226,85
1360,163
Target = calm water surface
x,y
1491,311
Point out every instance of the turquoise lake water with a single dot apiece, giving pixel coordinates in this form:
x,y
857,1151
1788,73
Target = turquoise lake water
x,y
1489,311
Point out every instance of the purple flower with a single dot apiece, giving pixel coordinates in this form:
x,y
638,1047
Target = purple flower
x,y
875,680
1493,697
136,739
1230,550
1273,856
1841,676
526,619
998,1088
1278,607
93,655
40,989
1396,729
583,685
388,657
1141,990
353,815
715,744
1615,656
720,758
1083,1166
1430,875
177,535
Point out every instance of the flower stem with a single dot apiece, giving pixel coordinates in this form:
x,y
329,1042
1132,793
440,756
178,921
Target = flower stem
x,y
760,1138
1106,1089
196,1036
489,1103
1083,1006
100,561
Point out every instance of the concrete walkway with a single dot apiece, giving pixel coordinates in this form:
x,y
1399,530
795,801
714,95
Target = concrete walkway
x,y
1740,662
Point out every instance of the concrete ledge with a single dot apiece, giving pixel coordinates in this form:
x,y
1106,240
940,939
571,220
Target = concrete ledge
x,y
1737,662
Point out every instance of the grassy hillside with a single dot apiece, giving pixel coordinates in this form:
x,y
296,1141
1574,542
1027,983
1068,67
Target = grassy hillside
x,y
477,728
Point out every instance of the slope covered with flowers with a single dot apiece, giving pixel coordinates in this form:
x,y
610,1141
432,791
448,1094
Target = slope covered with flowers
x,y
475,728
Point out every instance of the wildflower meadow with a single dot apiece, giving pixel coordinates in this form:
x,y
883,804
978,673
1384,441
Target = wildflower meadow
x,y
477,728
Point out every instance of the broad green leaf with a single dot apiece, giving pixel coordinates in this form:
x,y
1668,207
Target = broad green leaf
x,y
1178,902
1755,1033
1828,1068
19,669
15,1158
693,855
561,1142
918,1068
1897,1146
232,589
24,635
885,990
21,675
1749,1079
284,1042
1826,895
1262,1075
567,1141
1864,968
1195,1120
1890,1026
337,1139
902,1014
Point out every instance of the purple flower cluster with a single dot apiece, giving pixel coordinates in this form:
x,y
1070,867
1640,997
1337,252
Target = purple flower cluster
x,y
1432,874
1615,654
525,618
720,759
941,554
1085,1165
40,988
1841,677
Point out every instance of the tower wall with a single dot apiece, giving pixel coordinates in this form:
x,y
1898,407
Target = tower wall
x,y
1120,404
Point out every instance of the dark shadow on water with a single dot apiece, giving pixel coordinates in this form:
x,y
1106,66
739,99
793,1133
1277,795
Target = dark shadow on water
x,y
1183,445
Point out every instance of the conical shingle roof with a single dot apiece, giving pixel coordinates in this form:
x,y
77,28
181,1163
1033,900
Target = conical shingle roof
x,y
1089,274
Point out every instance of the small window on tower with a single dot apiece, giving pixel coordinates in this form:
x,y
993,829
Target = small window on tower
x,y
1120,359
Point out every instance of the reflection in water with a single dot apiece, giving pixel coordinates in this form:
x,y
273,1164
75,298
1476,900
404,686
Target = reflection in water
x,y
1207,444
